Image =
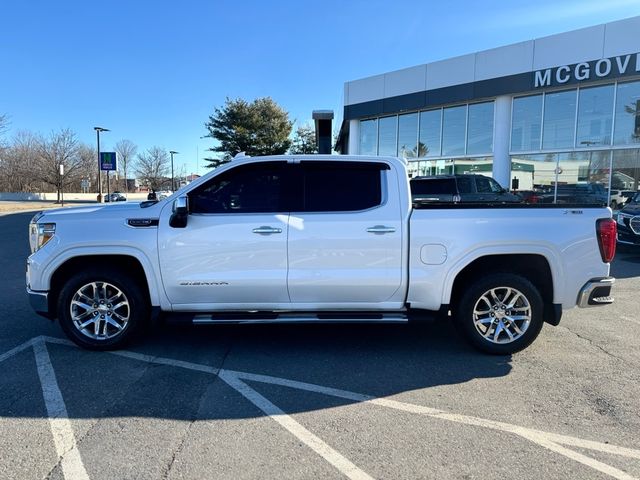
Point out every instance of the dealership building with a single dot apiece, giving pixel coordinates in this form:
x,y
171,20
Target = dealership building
x,y
557,110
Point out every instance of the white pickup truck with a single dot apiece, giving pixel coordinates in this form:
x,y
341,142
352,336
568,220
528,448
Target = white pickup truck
x,y
317,239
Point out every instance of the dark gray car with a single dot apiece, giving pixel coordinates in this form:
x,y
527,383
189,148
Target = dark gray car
x,y
469,188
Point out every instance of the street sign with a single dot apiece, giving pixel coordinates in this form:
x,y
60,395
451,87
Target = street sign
x,y
107,161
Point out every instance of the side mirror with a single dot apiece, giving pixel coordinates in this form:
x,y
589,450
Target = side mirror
x,y
180,213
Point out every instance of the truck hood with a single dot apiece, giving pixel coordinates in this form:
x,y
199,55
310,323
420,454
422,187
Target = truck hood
x,y
631,209
103,211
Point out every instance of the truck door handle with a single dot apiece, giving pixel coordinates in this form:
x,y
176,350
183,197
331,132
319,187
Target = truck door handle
x,y
381,229
266,230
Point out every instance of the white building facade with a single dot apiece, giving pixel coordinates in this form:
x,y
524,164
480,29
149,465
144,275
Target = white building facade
x,y
558,110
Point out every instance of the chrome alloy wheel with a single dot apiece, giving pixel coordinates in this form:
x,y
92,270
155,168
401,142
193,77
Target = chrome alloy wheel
x,y
99,310
502,315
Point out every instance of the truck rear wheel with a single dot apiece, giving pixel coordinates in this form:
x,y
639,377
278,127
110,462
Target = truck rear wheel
x,y
101,311
500,313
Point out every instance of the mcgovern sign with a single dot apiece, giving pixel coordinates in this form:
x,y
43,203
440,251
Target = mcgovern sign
x,y
613,67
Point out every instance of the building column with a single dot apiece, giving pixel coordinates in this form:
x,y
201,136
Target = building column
x,y
354,137
501,139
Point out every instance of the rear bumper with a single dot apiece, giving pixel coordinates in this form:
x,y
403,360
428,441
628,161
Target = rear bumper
x,y
39,301
596,292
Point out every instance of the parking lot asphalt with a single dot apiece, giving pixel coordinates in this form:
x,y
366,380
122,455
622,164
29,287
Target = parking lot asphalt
x,y
318,401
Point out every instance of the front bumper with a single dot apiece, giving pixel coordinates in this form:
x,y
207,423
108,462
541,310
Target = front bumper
x,y
626,236
596,292
39,301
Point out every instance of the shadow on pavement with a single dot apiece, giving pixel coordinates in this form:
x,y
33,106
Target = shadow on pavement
x,y
626,263
377,360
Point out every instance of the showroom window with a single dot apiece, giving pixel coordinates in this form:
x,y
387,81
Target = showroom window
x,y
526,123
430,132
369,137
454,129
627,129
480,129
559,120
387,132
408,135
595,116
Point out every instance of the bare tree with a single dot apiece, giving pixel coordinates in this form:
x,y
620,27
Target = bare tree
x,y
126,151
152,167
60,148
4,124
18,164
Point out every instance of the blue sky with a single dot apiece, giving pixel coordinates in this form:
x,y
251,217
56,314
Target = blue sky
x,y
152,72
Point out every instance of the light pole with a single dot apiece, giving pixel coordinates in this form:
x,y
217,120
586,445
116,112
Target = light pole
x,y
98,130
173,185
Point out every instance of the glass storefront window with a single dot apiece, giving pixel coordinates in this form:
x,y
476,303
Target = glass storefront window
x,y
595,116
627,129
481,165
559,119
387,135
526,123
572,177
454,130
429,143
408,135
626,170
368,137
480,129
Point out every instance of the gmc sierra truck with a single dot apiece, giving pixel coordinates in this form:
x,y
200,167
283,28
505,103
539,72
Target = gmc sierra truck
x,y
317,239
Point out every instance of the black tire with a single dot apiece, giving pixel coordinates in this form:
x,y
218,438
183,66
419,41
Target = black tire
x,y
136,309
501,344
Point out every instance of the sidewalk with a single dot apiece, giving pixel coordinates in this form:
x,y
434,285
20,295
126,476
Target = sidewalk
x,y
12,206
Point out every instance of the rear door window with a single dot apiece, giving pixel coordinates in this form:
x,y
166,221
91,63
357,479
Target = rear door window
x,y
465,185
433,186
341,186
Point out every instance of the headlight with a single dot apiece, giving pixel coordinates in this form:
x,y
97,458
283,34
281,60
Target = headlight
x,y
621,217
40,234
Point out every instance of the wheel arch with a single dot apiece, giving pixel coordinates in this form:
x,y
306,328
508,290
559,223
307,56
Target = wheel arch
x,y
534,267
124,262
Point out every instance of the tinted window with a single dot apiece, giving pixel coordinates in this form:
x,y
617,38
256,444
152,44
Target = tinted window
x,y
495,186
595,116
526,123
480,128
433,186
559,119
341,186
487,185
255,188
454,130
465,185
387,135
368,137
430,126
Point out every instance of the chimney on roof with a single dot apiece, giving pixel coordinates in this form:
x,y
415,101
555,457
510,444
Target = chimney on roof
x,y
323,120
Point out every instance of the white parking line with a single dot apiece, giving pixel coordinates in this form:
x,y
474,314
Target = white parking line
x,y
61,428
554,442
17,350
345,466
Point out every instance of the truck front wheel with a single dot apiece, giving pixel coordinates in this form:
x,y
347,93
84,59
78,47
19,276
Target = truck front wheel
x,y
101,311
500,313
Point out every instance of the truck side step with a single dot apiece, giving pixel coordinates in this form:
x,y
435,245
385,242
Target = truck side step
x,y
299,317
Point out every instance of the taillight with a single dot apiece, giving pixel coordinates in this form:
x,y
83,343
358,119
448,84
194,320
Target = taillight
x,y
607,230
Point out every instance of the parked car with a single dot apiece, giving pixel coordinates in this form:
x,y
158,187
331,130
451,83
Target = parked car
x,y
629,222
619,198
115,197
580,193
469,188
317,238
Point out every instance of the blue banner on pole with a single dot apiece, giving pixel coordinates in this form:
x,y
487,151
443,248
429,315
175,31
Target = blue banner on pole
x,y
108,161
